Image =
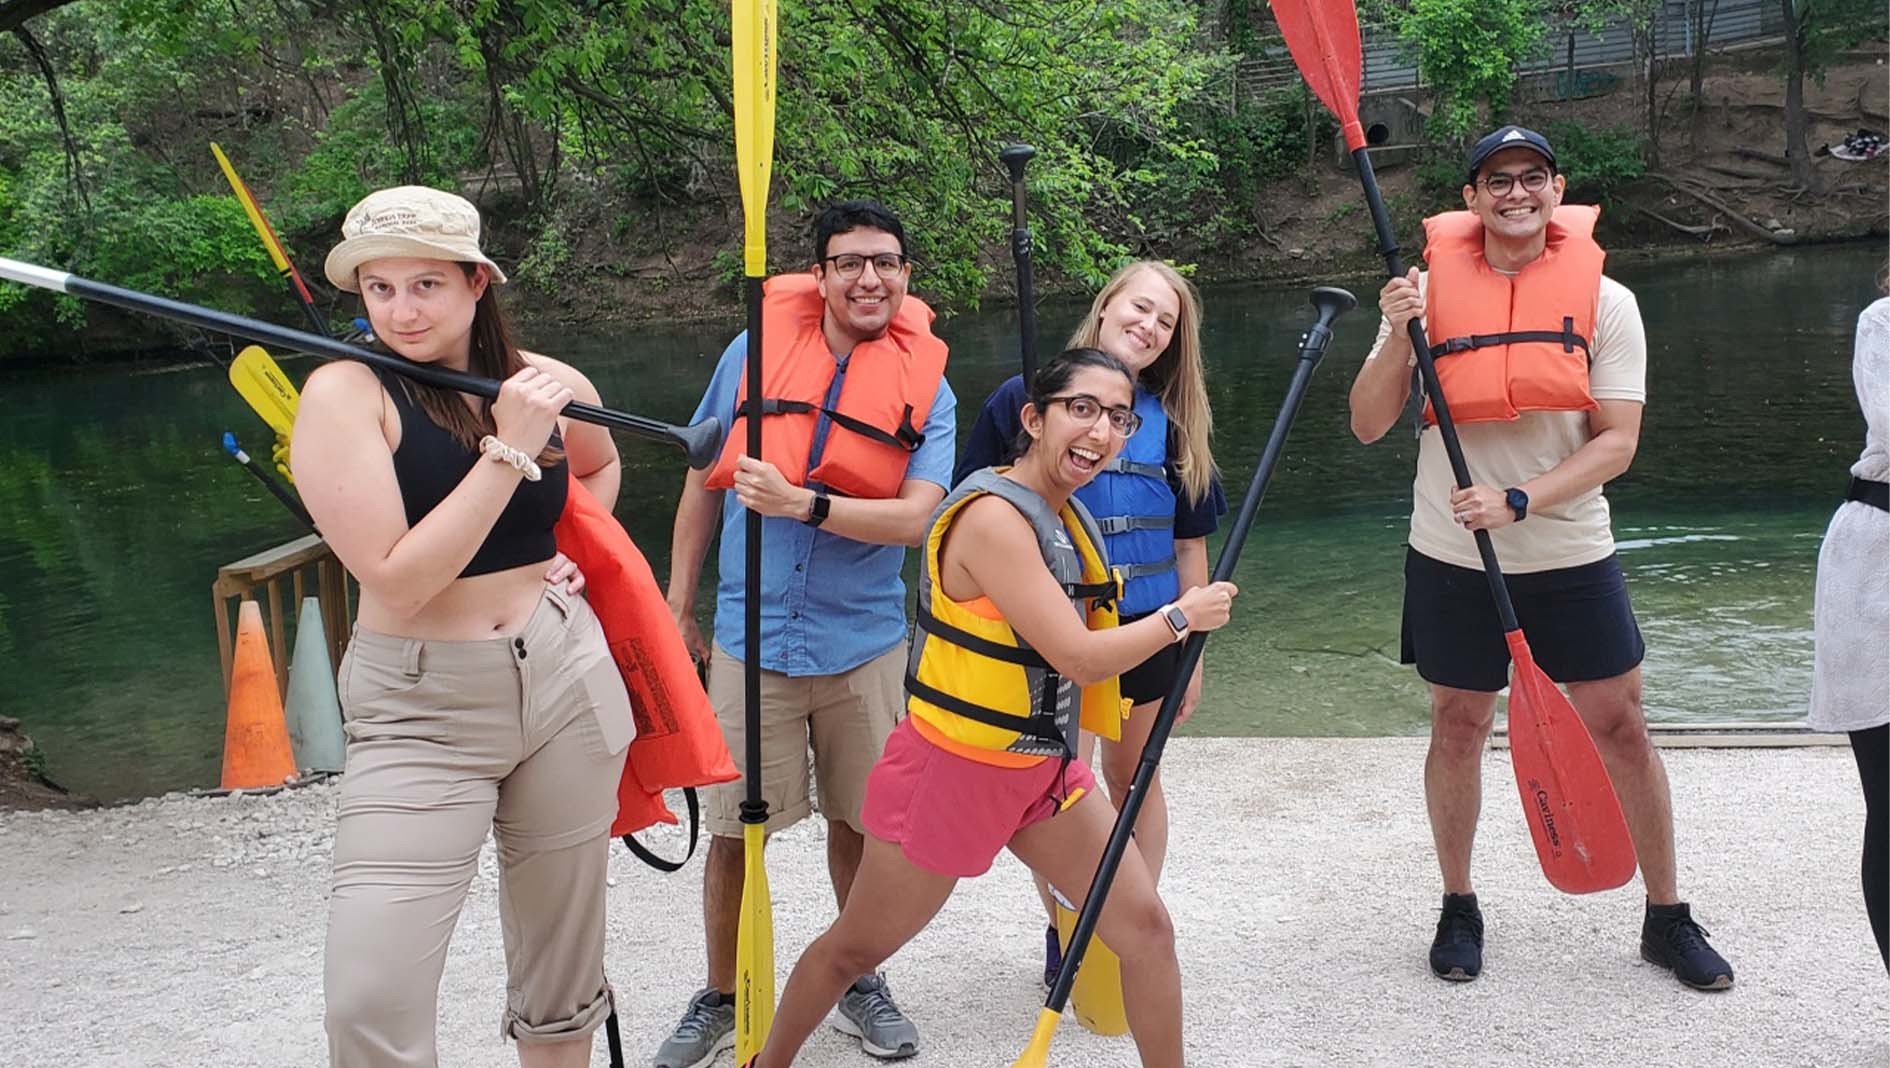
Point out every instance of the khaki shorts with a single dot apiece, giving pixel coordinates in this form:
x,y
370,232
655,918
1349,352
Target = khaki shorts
x,y
523,736
844,719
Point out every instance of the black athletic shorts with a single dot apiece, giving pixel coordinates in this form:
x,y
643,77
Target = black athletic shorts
x,y
1577,620
1149,680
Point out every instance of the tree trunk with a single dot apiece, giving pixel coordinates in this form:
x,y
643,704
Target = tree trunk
x,y
1796,121
1701,27
1650,65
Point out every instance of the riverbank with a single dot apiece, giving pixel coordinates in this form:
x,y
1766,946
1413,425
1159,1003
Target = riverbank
x,y
188,931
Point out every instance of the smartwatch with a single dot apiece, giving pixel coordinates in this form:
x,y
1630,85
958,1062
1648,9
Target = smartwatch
x,y
1176,619
818,513
1518,502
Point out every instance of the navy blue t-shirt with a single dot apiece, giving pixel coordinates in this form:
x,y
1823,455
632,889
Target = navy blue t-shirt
x,y
994,437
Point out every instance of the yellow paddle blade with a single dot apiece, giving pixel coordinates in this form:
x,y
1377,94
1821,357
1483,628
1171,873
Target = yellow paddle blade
x,y
1097,993
754,951
250,208
267,389
752,29
1037,1054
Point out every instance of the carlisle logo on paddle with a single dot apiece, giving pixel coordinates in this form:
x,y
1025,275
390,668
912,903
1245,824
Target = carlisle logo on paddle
x,y
1548,816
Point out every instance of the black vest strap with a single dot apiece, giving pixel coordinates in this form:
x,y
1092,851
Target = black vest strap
x,y
1565,337
905,437
1038,725
1021,655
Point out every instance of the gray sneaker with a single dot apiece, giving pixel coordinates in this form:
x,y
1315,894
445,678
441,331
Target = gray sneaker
x,y
867,1013
706,1029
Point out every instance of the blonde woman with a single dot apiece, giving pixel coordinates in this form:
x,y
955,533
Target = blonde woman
x,y
1155,503
477,695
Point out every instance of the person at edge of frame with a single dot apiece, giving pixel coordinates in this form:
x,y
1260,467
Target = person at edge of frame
x,y
1850,675
1543,360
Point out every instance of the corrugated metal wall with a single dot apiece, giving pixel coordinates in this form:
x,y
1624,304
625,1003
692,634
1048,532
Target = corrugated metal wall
x,y
1388,67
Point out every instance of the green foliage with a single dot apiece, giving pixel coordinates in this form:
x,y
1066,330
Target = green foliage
x,y
1467,50
1828,26
1596,161
547,259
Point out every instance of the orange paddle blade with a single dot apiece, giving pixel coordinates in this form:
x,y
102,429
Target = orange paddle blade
x,y
1574,816
1322,35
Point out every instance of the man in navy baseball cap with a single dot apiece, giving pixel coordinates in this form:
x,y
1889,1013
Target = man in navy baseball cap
x,y
1508,137
1544,360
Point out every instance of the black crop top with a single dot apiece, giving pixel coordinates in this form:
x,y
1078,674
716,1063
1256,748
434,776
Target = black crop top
x,y
430,464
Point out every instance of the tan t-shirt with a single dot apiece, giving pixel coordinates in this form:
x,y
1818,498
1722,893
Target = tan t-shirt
x,y
1501,455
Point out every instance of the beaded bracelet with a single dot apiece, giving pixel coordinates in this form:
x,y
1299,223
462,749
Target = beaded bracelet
x,y
506,454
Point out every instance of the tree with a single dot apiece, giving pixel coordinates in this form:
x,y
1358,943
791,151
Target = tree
x,y
1814,31
1700,15
1468,51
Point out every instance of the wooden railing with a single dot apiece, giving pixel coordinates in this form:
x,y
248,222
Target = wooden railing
x,y
297,569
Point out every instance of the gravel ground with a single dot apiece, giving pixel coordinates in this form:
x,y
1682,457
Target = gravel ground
x,y
184,931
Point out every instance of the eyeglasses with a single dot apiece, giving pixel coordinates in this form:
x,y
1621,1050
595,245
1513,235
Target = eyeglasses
x,y
1500,183
1123,422
886,264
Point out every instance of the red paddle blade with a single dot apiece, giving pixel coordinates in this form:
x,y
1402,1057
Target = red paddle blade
x,y
1323,37
1581,836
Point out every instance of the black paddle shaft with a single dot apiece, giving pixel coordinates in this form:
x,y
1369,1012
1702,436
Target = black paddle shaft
x,y
699,441
1015,157
1331,303
1388,246
753,808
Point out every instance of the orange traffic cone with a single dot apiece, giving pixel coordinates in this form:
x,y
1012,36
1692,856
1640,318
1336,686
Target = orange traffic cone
x,y
256,750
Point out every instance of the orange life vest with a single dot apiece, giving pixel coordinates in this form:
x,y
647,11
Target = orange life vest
x,y
1508,344
678,742
876,420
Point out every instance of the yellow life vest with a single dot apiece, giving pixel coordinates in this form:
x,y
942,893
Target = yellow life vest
x,y
972,679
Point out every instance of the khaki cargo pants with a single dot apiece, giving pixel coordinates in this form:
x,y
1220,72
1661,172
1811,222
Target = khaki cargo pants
x,y
523,735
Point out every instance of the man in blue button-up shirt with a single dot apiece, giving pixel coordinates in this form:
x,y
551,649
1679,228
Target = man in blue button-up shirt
x,y
833,622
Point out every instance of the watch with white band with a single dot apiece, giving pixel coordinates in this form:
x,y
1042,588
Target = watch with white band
x,y
1176,619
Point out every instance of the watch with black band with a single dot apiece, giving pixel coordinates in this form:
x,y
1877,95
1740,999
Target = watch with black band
x,y
1518,502
818,513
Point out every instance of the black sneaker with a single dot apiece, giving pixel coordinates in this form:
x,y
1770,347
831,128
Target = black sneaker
x,y
1457,951
1052,957
1671,939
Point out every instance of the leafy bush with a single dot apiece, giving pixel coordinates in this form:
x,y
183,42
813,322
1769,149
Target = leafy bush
x,y
1596,161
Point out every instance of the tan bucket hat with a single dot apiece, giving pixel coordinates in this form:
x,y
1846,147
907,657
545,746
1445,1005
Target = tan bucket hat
x,y
407,220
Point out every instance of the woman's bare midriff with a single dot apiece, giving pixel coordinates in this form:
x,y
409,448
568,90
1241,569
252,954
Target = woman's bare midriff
x,y
483,606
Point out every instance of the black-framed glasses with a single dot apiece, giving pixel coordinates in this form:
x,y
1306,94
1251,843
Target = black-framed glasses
x,y
1123,422
885,264
1500,183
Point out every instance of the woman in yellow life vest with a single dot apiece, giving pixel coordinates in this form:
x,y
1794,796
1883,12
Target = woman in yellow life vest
x,y
1016,642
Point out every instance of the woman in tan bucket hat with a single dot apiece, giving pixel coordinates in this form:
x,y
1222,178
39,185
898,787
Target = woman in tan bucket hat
x,y
477,689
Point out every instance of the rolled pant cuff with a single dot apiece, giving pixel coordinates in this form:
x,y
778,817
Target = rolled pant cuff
x,y
580,1025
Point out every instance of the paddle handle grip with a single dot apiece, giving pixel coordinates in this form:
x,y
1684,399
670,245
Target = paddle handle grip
x,y
275,488
1427,371
1015,157
1331,304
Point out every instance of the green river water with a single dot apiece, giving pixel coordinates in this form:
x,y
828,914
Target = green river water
x,y
117,506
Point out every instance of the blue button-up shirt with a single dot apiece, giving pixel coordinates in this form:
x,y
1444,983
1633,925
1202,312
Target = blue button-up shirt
x,y
828,603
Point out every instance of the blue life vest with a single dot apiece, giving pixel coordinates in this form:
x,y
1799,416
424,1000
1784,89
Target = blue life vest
x,y
1134,508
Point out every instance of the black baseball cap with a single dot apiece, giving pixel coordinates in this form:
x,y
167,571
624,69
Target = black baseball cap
x,y
1508,137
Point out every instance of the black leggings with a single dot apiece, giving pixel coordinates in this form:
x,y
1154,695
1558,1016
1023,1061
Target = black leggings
x,y
1872,749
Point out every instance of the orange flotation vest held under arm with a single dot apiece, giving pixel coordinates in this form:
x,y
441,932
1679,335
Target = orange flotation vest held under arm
x,y
884,397
1508,344
678,744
